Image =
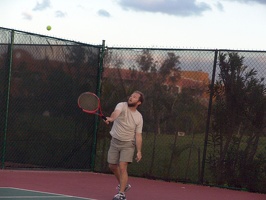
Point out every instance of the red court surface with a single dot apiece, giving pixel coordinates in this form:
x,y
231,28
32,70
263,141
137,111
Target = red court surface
x,y
102,186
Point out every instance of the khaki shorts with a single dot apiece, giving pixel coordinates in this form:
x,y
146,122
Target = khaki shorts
x,y
121,151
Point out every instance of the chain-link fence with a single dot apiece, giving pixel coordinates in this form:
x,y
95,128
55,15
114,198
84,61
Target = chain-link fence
x,y
41,78
204,110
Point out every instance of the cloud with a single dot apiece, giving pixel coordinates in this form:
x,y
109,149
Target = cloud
x,y
259,1
103,13
250,1
42,6
220,6
27,16
60,14
170,7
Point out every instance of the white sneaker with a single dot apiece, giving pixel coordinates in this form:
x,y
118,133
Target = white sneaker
x,y
126,189
120,196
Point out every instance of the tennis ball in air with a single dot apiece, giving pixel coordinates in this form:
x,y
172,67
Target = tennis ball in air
x,y
49,28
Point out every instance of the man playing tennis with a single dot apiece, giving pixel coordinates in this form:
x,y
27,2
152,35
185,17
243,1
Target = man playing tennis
x,y
126,134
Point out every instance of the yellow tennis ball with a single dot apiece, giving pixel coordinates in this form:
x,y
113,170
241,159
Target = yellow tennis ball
x,y
48,28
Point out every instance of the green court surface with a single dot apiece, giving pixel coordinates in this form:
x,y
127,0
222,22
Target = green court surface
x,y
16,193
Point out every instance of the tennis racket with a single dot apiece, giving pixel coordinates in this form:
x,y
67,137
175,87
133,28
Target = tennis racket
x,y
90,103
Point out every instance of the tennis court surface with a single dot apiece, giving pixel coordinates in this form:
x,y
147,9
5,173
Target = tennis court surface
x,y
16,193
50,185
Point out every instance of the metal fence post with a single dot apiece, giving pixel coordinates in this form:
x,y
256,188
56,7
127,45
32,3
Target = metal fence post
x,y
208,118
94,144
10,53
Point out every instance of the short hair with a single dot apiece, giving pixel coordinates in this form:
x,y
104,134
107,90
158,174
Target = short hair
x,y
141,97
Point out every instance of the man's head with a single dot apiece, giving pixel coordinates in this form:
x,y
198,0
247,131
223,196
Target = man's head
x,y
136,99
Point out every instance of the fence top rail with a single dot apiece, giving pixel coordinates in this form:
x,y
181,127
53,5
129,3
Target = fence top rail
x,y
50,37
136,48
182,49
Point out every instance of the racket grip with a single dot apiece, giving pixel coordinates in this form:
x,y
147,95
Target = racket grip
x,y
104,118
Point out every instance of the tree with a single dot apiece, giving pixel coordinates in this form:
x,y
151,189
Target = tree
x,y
162,77
238,116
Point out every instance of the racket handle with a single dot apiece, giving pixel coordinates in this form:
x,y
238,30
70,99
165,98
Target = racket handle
x,y
104,118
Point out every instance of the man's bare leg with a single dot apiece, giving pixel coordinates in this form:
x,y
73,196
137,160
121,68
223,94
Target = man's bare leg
x,y
123,176
116,171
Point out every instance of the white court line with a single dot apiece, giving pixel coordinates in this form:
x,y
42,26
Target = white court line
x,y
32,197
57,195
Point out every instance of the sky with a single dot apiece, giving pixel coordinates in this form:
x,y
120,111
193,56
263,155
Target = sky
x,y
196,24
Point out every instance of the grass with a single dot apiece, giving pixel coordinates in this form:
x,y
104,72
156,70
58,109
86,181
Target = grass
x,y
58,141
173,158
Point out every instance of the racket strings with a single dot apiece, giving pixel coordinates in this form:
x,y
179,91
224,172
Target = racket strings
x,y
89,102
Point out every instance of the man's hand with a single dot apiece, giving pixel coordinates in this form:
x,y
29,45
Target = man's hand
x,y
138,157
108,120
113,116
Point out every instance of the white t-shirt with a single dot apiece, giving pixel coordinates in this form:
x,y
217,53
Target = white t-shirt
x,y
127,124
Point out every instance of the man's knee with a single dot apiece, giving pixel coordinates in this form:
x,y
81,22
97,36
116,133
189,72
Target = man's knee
x,y
113,167
123,166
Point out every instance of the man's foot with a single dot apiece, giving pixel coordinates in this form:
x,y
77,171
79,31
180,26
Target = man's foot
x,y
128,186
120,196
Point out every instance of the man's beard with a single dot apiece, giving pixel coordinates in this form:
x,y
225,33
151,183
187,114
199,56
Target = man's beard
x,y
131,104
